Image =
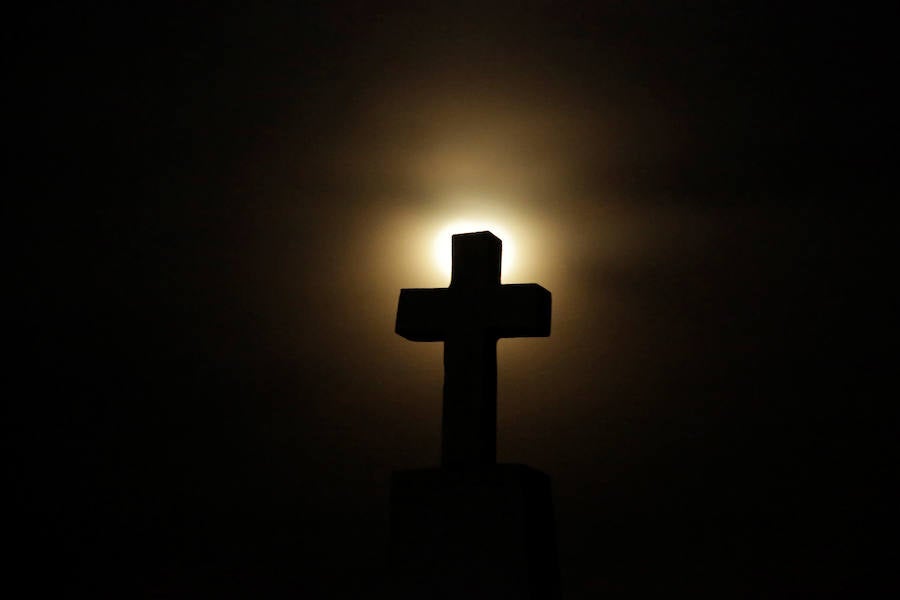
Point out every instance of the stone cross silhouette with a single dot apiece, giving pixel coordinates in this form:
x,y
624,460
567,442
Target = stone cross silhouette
x,y
469,317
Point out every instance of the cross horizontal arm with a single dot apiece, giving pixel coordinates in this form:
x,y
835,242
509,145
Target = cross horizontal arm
x,y
521,310
423,314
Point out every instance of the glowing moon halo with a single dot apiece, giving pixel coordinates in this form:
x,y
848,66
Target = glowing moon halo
x,y
443,243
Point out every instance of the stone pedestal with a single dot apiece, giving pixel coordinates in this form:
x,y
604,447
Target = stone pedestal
x,y
478,532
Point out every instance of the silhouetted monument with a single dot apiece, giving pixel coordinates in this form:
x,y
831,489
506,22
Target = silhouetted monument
x,y
473,528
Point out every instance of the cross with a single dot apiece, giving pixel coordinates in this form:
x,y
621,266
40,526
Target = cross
x,y
469,317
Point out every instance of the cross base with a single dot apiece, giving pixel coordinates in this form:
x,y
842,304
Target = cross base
x,y
477,532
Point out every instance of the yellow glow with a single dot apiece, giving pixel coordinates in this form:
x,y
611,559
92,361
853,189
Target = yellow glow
x,y
443,247
419,241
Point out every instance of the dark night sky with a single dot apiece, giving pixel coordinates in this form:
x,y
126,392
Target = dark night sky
x,y
221,205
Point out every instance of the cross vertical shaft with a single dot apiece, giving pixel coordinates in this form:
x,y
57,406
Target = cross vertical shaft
x,y
469,423
469,420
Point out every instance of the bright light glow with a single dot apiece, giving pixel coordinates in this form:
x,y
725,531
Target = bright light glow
x,y
443,243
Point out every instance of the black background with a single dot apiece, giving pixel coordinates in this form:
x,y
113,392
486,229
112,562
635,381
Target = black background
x,y
164,446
